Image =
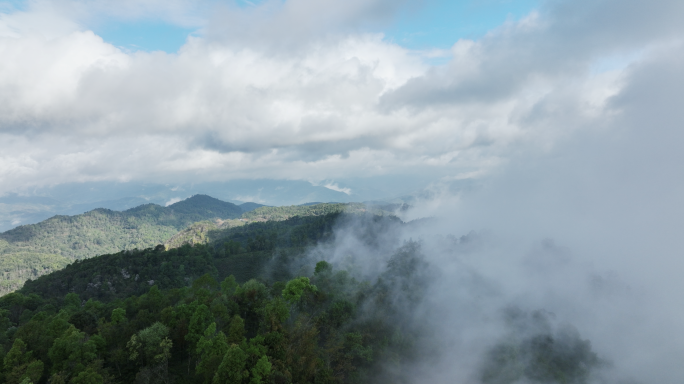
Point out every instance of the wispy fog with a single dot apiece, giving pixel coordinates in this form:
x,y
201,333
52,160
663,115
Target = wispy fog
x,y
580,243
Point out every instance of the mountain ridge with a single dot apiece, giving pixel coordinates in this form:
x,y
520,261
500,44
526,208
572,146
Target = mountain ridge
x,y
61,239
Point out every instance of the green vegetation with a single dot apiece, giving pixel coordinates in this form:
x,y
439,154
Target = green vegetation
x,y
234,310
270,218
154,316
536,353
198,233
283,213
243,252
29,251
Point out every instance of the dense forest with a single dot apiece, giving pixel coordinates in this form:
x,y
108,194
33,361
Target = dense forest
x,y
255,306
29,251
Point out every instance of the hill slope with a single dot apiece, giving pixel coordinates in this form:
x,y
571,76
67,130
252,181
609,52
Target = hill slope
x,y
206,232
261,306
53,243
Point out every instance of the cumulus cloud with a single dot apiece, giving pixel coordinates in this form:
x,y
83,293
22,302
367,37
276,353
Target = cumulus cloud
x,y
302,90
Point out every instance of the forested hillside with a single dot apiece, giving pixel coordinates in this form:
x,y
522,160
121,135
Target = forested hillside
x,y
207,232
254,307
30,251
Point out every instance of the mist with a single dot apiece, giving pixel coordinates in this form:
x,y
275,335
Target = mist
x,y
579,241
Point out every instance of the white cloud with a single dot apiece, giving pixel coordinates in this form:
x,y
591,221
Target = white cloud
x,y
172,201
337,188
338,103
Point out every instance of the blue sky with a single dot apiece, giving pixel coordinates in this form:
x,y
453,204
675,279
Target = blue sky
x,y
146,35
438,24
433,24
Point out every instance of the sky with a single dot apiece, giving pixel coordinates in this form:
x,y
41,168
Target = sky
x,y
320,91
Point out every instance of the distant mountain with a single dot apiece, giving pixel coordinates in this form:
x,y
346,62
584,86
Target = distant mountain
x,y
202,207
246,207
115,205
29,251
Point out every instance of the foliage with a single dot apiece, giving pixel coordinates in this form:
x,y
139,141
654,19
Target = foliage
x,y
161,316
286,212
535,352
30,251
296,287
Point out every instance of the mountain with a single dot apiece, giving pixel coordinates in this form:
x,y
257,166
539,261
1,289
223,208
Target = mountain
x,y
260,305
201,207
206,232
76,198
246,207
256,241
29,251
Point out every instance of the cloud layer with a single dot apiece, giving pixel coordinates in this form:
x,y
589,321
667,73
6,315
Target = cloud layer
x,y
301,90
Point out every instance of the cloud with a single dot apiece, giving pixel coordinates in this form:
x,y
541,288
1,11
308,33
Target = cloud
x,y
337,188
172,201
303,92
608,198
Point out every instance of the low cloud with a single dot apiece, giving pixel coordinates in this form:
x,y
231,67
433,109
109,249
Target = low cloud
x,y
337,188
172,201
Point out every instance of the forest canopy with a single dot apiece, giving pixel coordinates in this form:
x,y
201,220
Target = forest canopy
x,y
258,306
30,251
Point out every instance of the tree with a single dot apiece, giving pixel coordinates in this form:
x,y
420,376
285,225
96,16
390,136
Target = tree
x,y
118,315
152,348
89,376
257,361
199,322
20,365
211,348
296,287
236,330
232,368
72,352
151,345
228,286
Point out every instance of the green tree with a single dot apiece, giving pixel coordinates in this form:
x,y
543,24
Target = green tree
x,y
199,322
232,368
72,352
236,330
257,361
118,315
152,348
89,376
228,286
19,364
296,287
211,348
151,345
